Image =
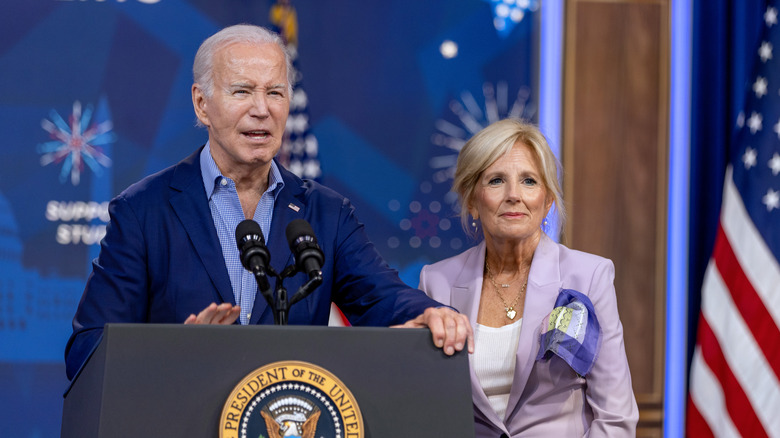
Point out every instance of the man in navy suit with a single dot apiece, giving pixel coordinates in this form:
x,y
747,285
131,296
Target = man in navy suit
x,y
170,255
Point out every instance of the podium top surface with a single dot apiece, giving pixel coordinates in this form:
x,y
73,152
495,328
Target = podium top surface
x,y
178,378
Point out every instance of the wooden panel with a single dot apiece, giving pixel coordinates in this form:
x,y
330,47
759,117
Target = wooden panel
x,y
615,149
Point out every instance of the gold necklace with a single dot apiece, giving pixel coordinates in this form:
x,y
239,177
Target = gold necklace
x,y
510,309
506,285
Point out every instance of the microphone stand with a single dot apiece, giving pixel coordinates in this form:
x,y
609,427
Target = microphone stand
x,y
265,288
281,307
307,288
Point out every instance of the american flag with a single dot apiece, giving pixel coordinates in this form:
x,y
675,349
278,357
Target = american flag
x,y
735,373
299,148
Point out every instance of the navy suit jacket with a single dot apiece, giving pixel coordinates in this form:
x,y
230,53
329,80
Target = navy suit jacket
x,y
161,261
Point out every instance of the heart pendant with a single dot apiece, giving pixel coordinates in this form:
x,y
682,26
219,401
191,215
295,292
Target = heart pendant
x,y
511,313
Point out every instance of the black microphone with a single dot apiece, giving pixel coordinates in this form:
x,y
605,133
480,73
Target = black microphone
x,y
303,244
251,245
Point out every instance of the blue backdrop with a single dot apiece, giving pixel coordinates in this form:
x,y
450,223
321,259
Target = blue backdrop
x,y
95,94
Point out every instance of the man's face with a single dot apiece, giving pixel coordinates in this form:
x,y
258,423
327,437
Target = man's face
x,y
247,111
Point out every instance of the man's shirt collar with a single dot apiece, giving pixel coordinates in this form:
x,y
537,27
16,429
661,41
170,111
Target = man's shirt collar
x,y
211,174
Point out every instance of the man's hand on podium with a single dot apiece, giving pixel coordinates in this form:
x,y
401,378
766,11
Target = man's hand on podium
x,y
224,313
451,330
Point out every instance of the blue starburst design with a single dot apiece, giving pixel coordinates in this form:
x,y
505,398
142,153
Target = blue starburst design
x,y
469,119
74,146
432,217
507,13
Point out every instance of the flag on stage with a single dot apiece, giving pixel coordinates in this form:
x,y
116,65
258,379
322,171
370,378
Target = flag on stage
x,y
300,148
735,374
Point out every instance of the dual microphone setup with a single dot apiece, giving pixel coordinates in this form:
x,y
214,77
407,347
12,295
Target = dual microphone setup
x,y
256,258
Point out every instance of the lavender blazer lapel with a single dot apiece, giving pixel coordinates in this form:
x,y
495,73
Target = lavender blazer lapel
x,y
467,287
544,281
465,296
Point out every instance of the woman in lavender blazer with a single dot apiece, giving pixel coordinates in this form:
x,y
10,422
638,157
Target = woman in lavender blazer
x,y
549,359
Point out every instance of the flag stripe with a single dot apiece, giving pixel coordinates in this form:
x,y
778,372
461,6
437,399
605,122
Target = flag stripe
x,y
696,425
760,266
743,356
706,403
736,401
747,301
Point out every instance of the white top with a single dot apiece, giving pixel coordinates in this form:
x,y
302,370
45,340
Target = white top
x,y
494,358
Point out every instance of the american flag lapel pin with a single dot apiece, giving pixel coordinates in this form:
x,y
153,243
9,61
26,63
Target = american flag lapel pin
x,y
294,207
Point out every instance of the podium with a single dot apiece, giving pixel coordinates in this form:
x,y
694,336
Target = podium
x,y
165,380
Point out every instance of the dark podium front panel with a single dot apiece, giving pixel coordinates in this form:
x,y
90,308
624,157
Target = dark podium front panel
x,y
148,380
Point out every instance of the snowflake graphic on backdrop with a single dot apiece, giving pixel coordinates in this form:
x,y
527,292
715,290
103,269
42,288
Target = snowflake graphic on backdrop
x,y
76,143
433,213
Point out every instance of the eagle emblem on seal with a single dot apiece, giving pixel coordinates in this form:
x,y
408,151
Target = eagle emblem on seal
x,y
290,417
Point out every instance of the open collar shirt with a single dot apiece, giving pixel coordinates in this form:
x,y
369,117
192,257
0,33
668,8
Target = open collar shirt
x,y
227,213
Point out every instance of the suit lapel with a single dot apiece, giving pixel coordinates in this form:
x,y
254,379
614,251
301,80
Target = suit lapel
x,y
288,206
191,207
465,296
543,284
467,286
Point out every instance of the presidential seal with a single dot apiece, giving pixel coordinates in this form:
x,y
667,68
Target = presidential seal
x,y
291,399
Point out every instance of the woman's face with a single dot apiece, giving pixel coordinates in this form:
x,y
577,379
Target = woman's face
x,y
510,198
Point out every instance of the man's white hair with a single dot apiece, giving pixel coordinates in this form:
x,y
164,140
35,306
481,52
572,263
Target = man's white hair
x,y
203,67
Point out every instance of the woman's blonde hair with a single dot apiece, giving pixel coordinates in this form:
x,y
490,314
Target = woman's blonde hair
x,y
490,144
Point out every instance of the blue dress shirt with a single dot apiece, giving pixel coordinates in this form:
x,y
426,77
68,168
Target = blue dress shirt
x,y
227,214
